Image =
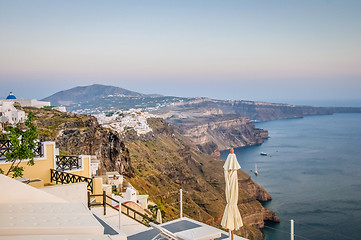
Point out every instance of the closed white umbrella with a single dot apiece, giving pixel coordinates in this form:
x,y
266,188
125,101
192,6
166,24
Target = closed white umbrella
x,y
232,219
159,216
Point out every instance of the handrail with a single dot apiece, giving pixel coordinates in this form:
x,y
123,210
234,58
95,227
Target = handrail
x,y
67,162
137,216
5,146
39,150
64,177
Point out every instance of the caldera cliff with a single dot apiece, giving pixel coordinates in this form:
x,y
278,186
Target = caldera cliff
x,y
159,165
219,132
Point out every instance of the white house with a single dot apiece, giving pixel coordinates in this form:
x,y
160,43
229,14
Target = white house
x,y
115,179
131,195
9,114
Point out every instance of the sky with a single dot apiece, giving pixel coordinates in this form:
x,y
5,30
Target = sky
x,y
280,51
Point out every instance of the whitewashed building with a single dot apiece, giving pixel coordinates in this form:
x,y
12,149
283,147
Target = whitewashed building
x,y
32,103
9,114
27,102
131,195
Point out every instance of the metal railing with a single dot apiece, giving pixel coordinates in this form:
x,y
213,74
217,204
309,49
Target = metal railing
x,y
130,212
5,146
64,178
39,150
67,162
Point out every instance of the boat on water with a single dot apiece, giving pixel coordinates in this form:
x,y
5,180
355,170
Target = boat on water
x,y
255,170
263,154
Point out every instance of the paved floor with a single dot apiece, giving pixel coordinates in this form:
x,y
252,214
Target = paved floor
x,y
128,226
107,229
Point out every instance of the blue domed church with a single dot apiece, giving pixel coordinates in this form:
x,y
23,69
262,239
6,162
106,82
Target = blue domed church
x,y
11,96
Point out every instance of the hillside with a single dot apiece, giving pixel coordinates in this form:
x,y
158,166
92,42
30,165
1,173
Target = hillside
x,y
159,166
170,161
88,93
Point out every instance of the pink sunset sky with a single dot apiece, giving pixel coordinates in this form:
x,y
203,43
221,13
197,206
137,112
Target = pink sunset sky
x,y
285,51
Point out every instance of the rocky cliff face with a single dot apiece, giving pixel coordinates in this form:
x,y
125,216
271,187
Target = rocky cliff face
x,y
82,135
102,142
220,132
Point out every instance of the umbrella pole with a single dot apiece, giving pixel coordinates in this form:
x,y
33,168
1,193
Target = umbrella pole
x,y
230,234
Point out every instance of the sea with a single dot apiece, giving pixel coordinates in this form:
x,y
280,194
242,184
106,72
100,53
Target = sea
x,y
313,172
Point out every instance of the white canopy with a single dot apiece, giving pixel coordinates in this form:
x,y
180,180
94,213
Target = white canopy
x,y
232,219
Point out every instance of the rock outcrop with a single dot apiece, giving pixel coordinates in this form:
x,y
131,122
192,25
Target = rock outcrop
x,y
254,189
79,134
220,131
102,142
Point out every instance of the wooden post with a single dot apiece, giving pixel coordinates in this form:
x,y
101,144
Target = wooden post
x,y
292,230
88,199
104,203
120,212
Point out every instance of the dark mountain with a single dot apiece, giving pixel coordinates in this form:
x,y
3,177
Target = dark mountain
x,y
88,93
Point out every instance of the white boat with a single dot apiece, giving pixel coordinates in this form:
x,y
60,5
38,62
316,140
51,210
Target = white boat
x,y
255,170
263,154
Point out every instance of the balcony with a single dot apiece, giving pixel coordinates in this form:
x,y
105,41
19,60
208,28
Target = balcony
x,y
68,163
5,146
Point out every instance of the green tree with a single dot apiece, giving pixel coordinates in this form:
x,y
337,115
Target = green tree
x,y
23,144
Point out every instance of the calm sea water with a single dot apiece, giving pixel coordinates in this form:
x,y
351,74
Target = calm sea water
x,y
313,172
